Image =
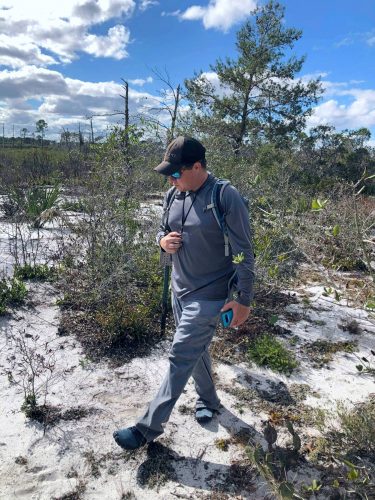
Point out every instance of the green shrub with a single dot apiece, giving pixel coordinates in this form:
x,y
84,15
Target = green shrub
x,y
266,350
12,292
40,272
35,204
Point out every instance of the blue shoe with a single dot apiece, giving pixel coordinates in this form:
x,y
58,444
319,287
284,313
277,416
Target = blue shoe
x,y
203,415
129,438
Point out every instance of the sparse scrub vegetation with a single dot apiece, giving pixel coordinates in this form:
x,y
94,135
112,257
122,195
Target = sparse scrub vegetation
x,y
40,272
12,292
311,197
267,351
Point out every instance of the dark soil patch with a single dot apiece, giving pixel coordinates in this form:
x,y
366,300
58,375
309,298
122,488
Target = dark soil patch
x,y
321,352
351,326
76,494
286,405
51,415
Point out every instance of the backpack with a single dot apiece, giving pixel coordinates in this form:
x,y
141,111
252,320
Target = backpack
x,y
215,205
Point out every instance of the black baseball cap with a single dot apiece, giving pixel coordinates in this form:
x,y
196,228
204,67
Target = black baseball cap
x,y
181,151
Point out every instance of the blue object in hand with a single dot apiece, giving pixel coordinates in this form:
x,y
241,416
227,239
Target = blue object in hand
x,y
226,318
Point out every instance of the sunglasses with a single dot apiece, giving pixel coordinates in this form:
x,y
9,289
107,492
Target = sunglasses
x,y
176,175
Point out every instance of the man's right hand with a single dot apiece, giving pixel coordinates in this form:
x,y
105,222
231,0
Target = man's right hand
x,y
172,242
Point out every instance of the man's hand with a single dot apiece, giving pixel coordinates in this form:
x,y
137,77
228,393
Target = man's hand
x,y
240,313
172,242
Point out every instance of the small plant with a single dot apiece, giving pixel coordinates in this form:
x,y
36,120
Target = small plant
x,y
317,205
266,350
321,352
237,259
222,444
365,365
84,363
40,272
12,291
314,487
273,319
33,369
328,291
36,204
370,304
358,427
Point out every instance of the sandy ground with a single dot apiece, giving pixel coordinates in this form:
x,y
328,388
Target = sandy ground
x,y
59,459
78,458
186,462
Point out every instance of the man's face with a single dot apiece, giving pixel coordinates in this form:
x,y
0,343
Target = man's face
x,y
186,182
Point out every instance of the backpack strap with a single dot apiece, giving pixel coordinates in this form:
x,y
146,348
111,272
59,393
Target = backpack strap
x,y
217,210
171,195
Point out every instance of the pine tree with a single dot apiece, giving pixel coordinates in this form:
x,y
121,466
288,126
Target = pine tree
x,y
257,93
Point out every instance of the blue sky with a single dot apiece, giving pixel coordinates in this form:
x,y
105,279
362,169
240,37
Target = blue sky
x,y
63,60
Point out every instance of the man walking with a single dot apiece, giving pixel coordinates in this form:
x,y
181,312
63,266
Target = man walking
x,y
203,274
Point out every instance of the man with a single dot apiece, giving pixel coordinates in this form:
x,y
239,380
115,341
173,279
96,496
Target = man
x,y
202,272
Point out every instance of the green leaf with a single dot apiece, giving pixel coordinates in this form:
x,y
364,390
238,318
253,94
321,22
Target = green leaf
x,y
353,474
237,259
273,319
336,230
359,367
370,304
315,205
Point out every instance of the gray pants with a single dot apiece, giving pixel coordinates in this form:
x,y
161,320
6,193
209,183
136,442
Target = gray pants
x,y
195,326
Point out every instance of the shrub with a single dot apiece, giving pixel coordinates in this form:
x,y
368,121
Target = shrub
x,y
35,204
266,350
12,291
40,272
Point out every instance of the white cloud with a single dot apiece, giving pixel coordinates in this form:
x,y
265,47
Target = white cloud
x,y
141,81
220,14
173,14
112,45
360,112
30,93
17,51
145,4
29,29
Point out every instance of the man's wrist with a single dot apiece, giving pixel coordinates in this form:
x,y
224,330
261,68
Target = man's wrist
x,y
159,237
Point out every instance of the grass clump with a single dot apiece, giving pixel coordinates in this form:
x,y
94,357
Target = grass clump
x,y
12,292
357,427
267,351
321,352
41,272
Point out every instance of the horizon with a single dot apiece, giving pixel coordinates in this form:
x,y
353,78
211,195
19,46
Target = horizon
x,y
66,62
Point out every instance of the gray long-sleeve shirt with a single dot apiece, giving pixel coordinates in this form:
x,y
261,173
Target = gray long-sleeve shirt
x,y
200,268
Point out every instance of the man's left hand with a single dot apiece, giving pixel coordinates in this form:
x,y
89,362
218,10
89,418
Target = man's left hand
x,y
240,313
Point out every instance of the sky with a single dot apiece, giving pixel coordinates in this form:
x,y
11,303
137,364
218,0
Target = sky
x,y
63,61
